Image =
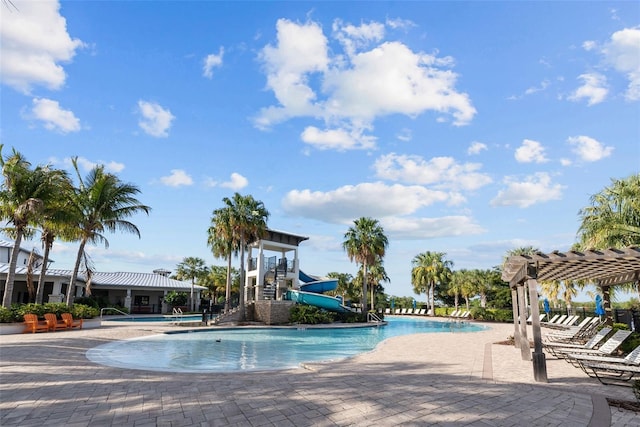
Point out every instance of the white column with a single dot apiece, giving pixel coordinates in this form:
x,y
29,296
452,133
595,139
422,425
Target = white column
x,y
127,300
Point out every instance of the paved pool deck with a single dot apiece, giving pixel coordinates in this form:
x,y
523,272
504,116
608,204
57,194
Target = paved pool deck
x,y
439,379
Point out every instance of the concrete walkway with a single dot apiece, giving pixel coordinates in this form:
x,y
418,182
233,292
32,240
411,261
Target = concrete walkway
x,y
441,379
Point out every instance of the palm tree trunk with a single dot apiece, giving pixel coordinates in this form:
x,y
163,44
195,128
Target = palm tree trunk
x,y
433,309
74,275
242,288
227,296
364,287
43,272
8,286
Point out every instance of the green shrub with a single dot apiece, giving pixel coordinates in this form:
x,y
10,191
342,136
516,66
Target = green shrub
x,y
176,299
6,315
56,307
618,326
90,301
81,311
19,310
310,315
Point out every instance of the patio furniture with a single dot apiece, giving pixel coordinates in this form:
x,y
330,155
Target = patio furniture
x,y
33,325
553,347
606,349
53,322
71,323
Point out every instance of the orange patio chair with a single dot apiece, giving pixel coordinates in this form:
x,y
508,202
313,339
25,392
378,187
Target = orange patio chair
x,y
33,325
53,322
71,323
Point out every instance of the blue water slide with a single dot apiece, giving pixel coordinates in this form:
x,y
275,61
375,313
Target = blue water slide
x,y
316,285
318,300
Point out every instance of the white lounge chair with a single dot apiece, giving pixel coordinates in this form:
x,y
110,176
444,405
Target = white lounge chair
x,y
613,370
422,311
387,311
606,349
633,358
404,311
553,347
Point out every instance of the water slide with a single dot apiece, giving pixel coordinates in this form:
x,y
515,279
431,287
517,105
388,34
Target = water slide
x,y
311,290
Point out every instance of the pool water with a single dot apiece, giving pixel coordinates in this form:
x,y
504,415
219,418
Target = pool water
x,y
252,349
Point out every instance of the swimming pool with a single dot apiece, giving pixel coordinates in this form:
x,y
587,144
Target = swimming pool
x,y
257,349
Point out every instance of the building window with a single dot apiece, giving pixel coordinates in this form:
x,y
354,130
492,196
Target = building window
x,y
141,300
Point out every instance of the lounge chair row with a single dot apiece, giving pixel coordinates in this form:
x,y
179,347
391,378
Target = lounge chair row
x,y
409,311
460,314
50,323
597,356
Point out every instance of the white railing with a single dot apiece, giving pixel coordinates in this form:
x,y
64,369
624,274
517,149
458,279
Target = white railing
x,y
372,317
114,309
177,314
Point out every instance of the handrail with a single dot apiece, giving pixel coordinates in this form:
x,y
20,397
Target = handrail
x,y
372,317
114,309
177,314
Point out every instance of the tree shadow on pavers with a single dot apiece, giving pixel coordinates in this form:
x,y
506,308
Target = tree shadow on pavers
x,y
350,393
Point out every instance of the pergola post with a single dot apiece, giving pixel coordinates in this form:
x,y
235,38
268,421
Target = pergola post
x,y
606,304
539,361
516,329
524,340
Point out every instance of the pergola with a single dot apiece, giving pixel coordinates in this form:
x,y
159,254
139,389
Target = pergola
x,y
604,268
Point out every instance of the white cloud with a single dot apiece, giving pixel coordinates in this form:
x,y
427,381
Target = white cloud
x,y
155,121
534,189
589,45
212,61
301,49
86,164
405,135
399,23
430,228
236,182
354,38
589,149
441,172
406,82
178,178
623,53
376,200
594,89
476,147
337,139
530,151
543,85
34,42
54,117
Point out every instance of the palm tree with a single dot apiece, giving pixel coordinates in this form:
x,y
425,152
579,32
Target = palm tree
x,y
429,270
613,218
345,285
223,244
191,268
366,243
24,194
57,221
248,222
377,274
102,202
456,285
215,280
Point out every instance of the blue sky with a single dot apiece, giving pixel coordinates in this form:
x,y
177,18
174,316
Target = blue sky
x,y
469,128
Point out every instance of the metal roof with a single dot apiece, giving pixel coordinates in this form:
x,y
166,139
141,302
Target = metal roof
x,y
117,279
606,267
